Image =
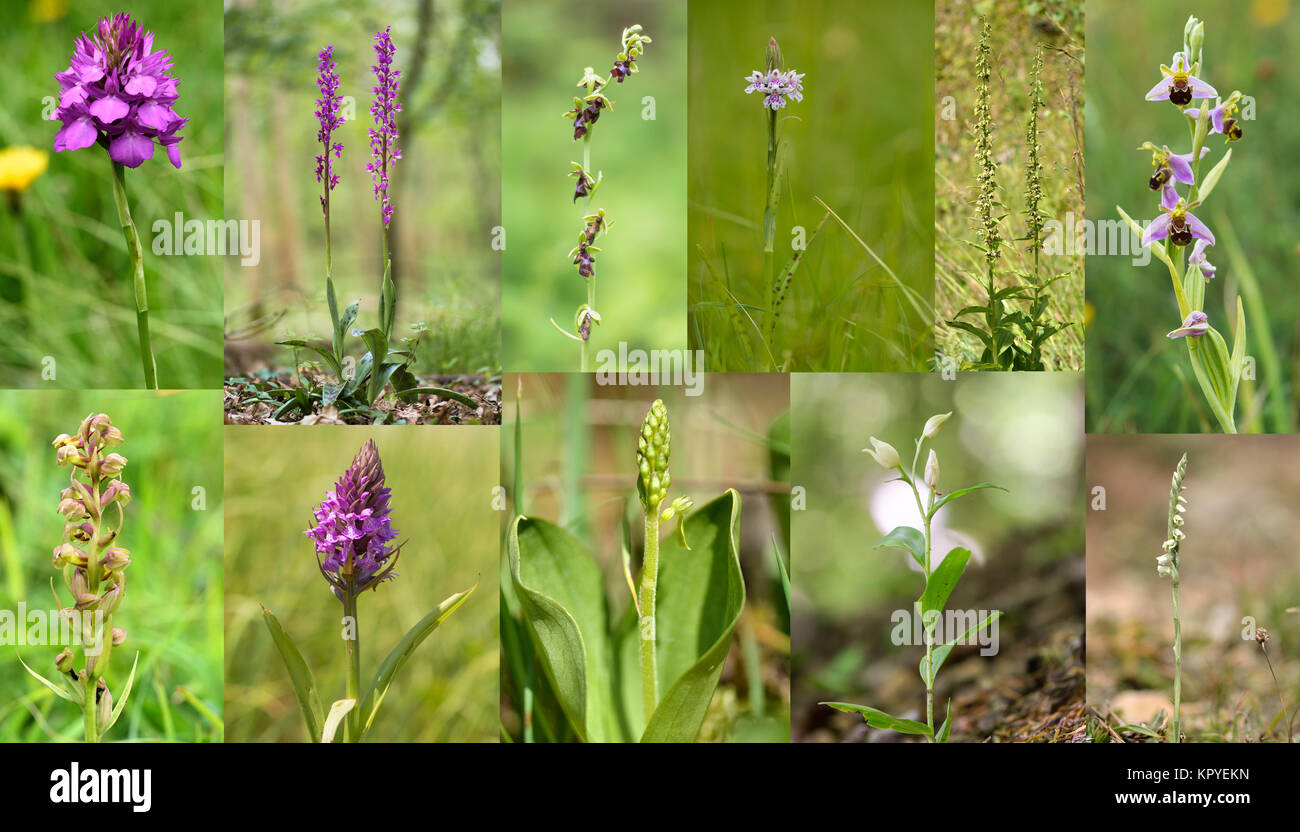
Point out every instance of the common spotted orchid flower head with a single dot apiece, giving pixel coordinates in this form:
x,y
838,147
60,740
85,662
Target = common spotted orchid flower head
x,y
118,92
1179,85
1194,326
352,530
1176,222
383,136
329,119
776,86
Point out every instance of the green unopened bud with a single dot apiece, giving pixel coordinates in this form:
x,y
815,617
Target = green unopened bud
x,y
932,471
680,507
119,636
774,58
1195,41
65,660
653,449
105,707
884,453
933,424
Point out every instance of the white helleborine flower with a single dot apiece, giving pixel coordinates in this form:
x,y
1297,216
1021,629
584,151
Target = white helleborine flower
x,y
932,471
933,424
884,453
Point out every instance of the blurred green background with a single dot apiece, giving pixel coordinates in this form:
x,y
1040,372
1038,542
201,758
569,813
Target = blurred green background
x,y
640,291
1238,560
579,470
860,140
65,279
1018,29
441,483
1020,431
1138,379
444,188
172,608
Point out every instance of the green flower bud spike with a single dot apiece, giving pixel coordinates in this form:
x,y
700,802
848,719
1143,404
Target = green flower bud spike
x,y
653,448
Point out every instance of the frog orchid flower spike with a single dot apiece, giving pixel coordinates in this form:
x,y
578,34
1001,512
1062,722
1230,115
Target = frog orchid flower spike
x,y
1179,86
1196,325
1169,166
1223,118
1176,222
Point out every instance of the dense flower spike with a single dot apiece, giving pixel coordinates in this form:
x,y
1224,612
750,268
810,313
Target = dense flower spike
x,y
327,115
653,449
987,200
352,531
118,92
1179,86
777,87
383,136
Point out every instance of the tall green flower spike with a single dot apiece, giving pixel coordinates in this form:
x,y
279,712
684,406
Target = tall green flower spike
x,y
1168,565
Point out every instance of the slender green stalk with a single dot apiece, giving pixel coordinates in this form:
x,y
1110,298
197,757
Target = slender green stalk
x,y
352,648
769,211
89,706
649,581
136,252
1169,563
929,636
1175,732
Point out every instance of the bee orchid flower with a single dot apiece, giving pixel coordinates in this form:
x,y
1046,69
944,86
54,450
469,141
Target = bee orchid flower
x,y
1179,85
1176,222
1194,326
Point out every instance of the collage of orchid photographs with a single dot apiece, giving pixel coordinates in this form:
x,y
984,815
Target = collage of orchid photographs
x,y
836,405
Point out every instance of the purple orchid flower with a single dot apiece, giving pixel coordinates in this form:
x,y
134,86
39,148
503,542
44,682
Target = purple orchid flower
x,y
383,136
1178,85
327,114
118,92
1223,119
1175,222
777,87
1170,166
1197,258
1194,326
352,530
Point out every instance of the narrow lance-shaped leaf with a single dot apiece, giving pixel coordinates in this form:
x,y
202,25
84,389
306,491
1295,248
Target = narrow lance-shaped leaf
x,y
879,719
120,704
304,684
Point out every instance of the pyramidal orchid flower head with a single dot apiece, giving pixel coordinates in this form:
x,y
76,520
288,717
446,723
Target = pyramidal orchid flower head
x,y
1176,222
352,530
119,93
329,120
1194,326
1179,85
383,136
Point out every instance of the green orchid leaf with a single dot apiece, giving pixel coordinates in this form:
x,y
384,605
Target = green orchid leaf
x,y
701,593
383,679
880,719
349,316
941,653
324,350
1238,350
906,538
1212,178
942,736
943,580
58,691
120,704
444,393
961,492
304,683
561,593
334,719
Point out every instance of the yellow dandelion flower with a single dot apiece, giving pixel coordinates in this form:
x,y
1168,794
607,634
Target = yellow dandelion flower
x,y
20,165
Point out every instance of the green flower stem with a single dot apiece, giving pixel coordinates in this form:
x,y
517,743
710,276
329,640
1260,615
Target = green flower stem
x,y
136,253
1175,733
649,578
352,647
929,639
769,211
89,706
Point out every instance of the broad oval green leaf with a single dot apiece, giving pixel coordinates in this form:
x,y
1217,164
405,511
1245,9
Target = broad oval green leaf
x,y
941,653
879,719
701,594
304,683
383,679
906,538
943,580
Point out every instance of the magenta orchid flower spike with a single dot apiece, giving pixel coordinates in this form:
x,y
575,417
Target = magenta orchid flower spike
x,y
353,531
118,92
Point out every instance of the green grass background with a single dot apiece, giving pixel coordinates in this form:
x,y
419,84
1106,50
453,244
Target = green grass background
x,y
172,608
860,140
1138,380
441,483
445,191
65,280
640,290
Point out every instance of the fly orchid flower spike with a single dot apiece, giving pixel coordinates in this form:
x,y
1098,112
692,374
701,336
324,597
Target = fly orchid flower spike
x,y
587,109
1179,85
118,92
353,532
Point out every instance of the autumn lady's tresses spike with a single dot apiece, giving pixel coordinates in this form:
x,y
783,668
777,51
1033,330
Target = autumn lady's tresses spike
x,y
1169,565
93,563
383,136
353,532
327,114
118,92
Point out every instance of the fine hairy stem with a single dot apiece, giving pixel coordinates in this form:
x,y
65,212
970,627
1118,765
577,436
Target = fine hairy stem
x,y
352,647
649,578
136,253
1175,735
